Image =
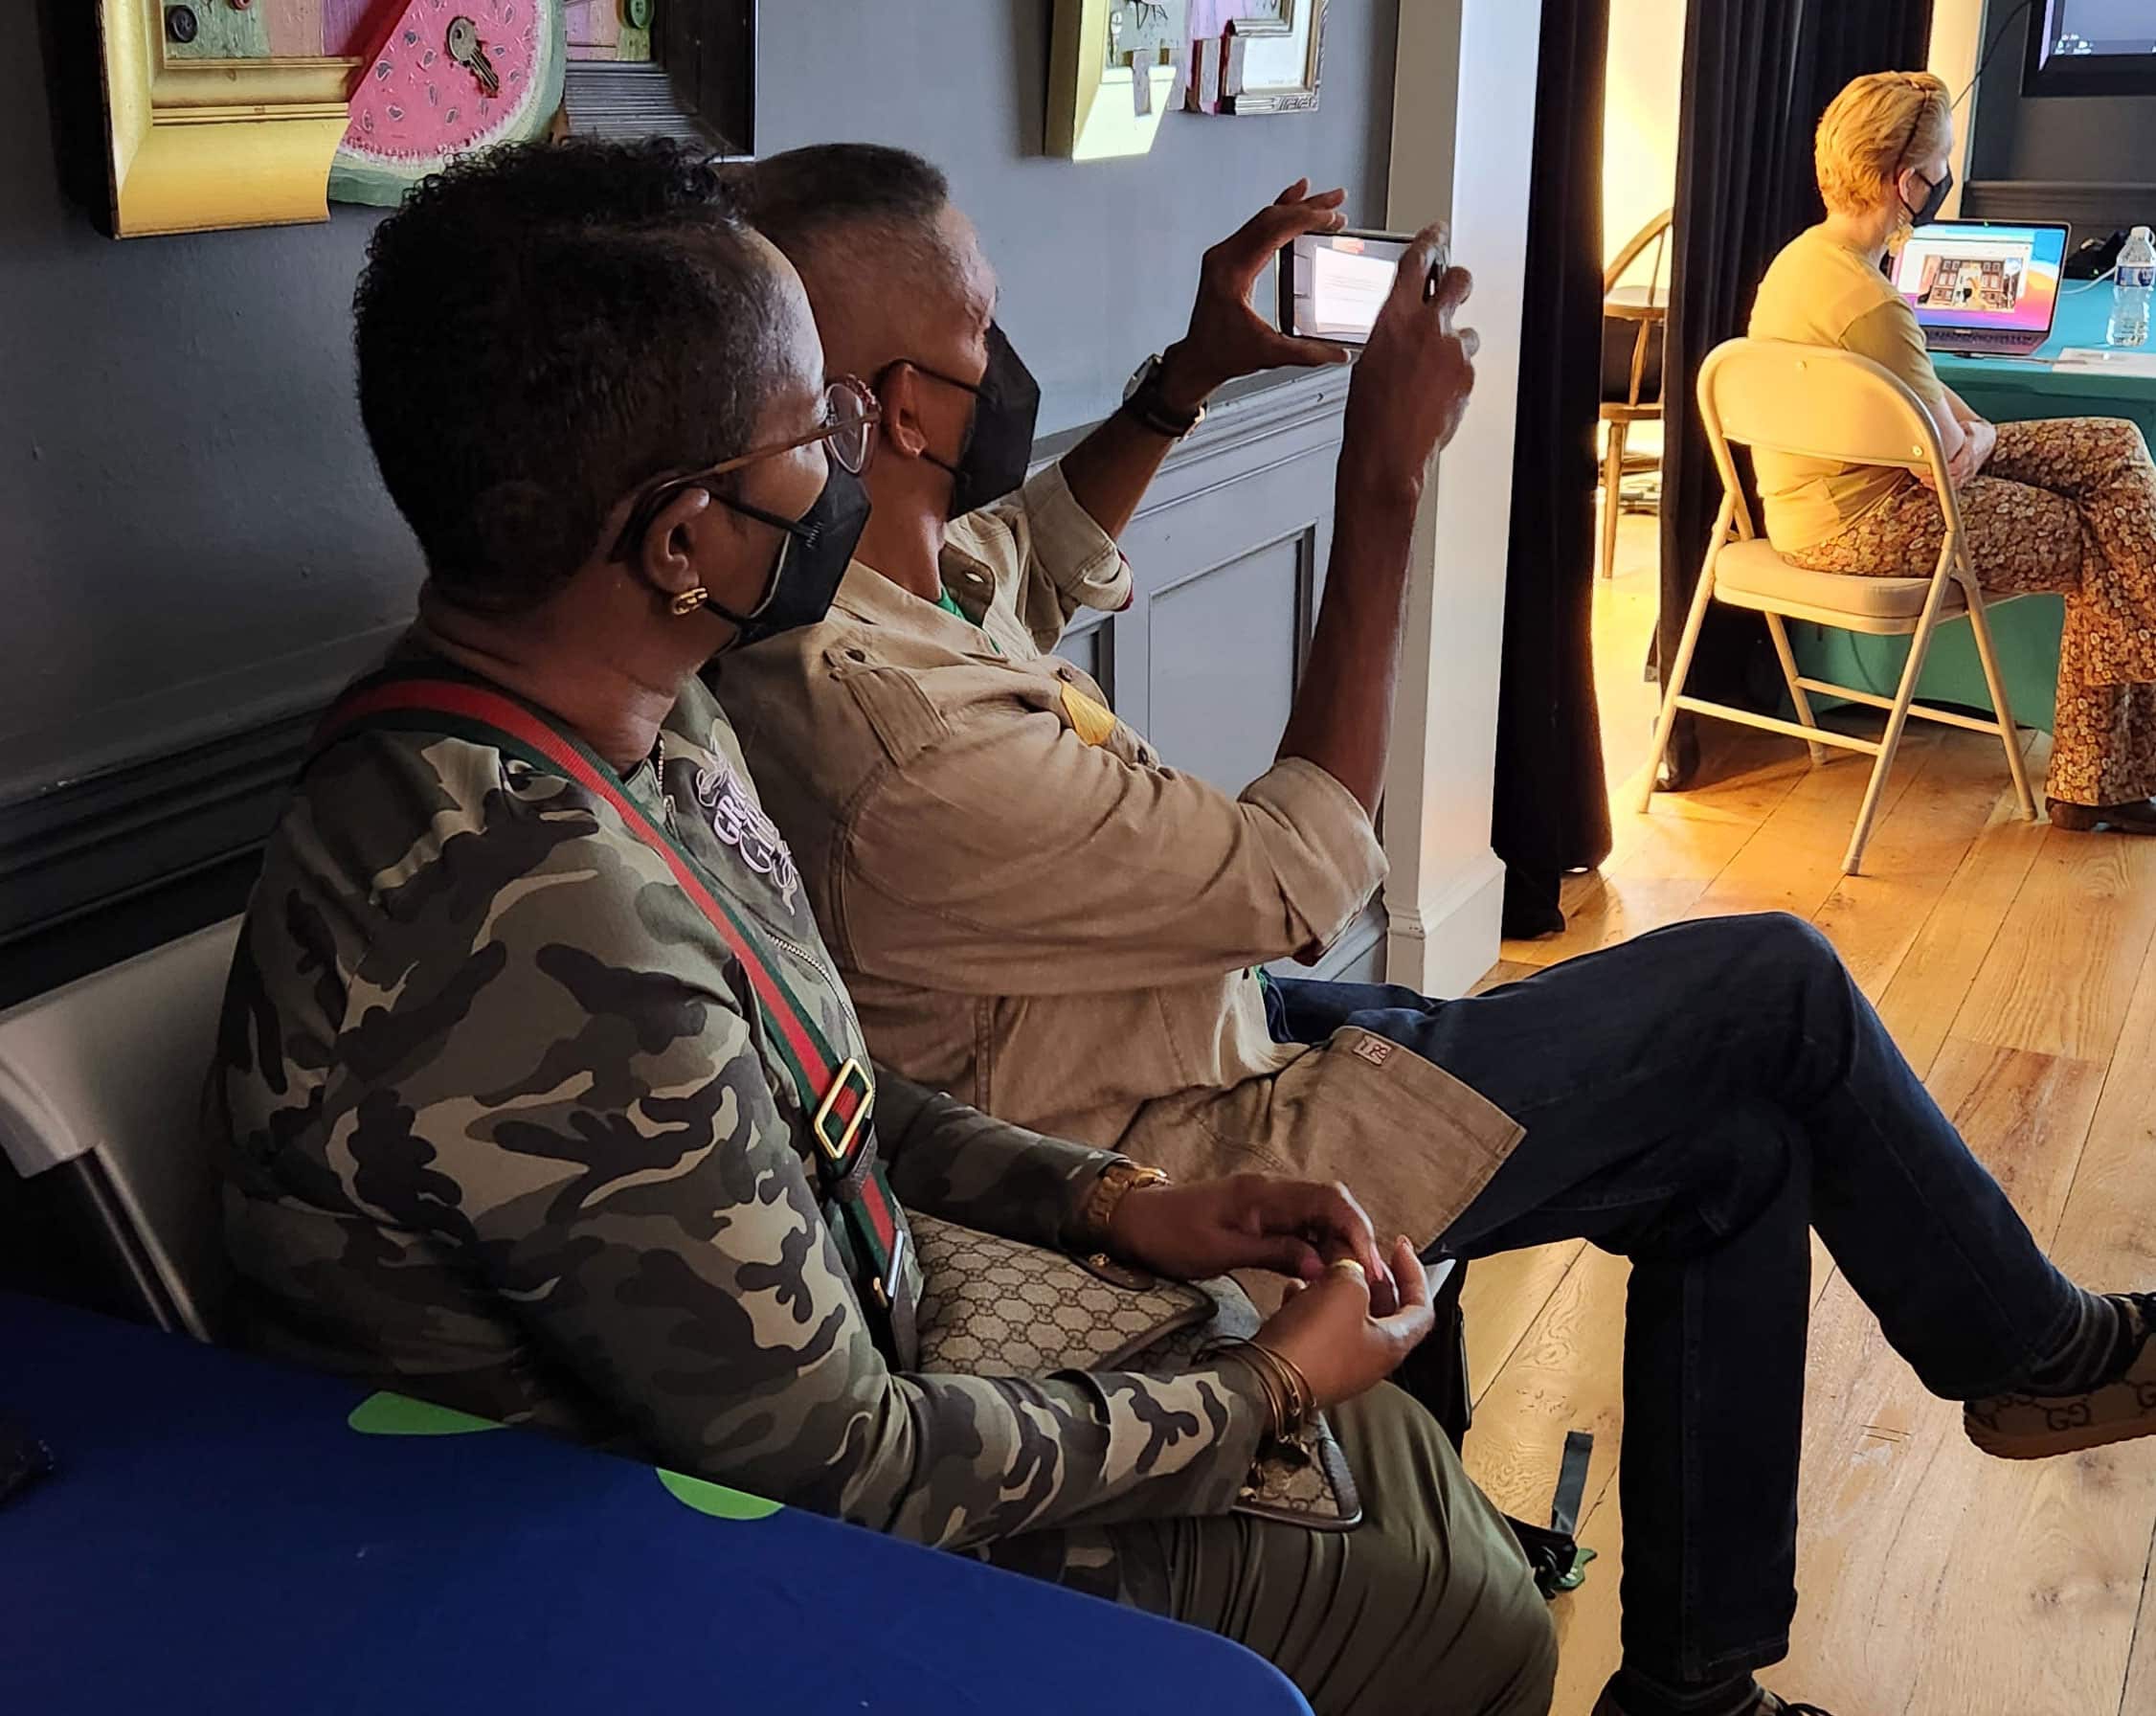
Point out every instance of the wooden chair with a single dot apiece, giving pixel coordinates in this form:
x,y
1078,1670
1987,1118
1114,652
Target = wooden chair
x,y
1632,368
1821,403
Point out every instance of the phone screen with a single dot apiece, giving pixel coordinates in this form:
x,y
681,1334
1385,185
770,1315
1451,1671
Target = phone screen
x,y
1332,284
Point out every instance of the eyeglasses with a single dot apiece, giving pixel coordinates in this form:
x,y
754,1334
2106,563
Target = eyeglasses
x,y
847,430
851,415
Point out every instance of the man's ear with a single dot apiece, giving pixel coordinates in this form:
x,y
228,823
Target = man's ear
x,y
682,549
900,397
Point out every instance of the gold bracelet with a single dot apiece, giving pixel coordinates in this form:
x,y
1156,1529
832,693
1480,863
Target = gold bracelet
x,y
1302,1398
1116,1181
1268,1384
1288,1390
1255,1360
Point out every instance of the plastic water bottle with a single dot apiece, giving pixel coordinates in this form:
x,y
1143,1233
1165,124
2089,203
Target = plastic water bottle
x,y
2131,297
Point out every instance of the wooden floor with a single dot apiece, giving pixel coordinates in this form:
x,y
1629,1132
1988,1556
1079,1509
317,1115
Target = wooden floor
x,y
2012,962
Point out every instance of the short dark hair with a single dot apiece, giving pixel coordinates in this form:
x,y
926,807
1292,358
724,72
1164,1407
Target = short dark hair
x,y
795,198
544,328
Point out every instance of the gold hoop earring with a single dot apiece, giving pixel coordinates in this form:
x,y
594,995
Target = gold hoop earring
x,y
689,601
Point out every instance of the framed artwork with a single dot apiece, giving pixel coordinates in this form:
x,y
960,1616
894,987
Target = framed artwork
x,y
1114,68
663,68
1252,56
220,115
441,77
233,113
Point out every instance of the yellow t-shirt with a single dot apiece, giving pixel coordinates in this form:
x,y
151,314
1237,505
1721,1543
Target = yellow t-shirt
x,y
1822,293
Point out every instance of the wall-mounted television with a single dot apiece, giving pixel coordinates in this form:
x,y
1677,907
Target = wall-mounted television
x,y
2091,48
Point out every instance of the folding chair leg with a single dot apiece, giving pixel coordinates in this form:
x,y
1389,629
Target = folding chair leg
x,y
1852,863
1995,681
1919,647
1781,635
1666,720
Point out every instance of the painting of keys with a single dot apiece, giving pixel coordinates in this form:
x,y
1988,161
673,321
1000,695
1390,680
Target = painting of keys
x,y
445,76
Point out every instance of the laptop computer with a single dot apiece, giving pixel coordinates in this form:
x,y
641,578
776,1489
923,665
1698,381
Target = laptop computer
x,y
1983,288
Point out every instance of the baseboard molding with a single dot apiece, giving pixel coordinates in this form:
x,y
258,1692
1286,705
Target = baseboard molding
x,y
1446,946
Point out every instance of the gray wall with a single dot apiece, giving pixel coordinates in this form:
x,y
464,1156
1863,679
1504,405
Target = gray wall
x,y
197,550
196,540
185,495
2089,159
1098,261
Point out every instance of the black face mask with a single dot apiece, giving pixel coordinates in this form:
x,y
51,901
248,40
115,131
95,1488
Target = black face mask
x,y
1932,203
813,556
999,445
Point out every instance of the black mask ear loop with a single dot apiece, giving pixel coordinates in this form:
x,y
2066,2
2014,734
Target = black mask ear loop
x,y
744,624
813,552
998,446
629,543
973,417
1941,189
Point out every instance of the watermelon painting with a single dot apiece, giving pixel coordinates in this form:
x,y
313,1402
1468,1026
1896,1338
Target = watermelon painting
x,y
448,76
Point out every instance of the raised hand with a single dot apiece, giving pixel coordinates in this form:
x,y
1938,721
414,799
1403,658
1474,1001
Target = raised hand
x,y
1227,338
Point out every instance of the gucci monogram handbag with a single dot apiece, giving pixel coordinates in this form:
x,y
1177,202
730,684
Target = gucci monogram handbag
x,y
991,1305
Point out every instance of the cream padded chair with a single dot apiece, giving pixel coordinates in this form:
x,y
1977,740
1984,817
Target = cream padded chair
x,y
1818,402
107,1072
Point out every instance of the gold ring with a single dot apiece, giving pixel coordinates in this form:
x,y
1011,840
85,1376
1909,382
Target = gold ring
x,y
1348,1266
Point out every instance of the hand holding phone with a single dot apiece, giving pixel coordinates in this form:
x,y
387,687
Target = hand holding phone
x,y
1417,371
1228,337
1332,284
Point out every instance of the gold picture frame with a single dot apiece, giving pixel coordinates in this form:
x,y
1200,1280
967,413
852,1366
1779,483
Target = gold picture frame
x,y
1269,62
197,143
1098,110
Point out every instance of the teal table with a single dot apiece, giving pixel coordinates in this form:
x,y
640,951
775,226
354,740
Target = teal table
x,y
2006,390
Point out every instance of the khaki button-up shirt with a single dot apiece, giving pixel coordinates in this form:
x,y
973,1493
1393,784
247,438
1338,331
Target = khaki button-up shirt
x,y
1036,915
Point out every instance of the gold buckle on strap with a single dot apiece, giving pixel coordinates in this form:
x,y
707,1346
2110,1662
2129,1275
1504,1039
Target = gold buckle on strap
x,y
850,1076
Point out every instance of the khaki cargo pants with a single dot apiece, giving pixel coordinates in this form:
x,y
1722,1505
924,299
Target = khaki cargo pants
x,y
1425,1609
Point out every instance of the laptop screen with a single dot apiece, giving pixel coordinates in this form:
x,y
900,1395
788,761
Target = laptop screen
x,y
1982,275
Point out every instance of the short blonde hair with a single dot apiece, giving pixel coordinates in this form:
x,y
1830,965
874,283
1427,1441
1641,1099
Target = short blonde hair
x,y
1879,124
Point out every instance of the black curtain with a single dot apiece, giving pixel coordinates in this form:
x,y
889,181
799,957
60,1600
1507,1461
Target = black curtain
x,y
1758,74
1552,808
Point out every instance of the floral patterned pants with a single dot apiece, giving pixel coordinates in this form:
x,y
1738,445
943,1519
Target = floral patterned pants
x,y
2067,506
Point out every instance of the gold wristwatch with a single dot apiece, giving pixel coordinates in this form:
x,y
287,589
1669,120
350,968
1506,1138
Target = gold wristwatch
x,y
1117,1181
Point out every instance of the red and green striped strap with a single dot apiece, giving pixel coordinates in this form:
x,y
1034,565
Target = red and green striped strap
x,y
837,1096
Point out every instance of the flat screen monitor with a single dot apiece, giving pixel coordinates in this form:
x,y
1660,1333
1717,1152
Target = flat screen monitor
x,y
2091,48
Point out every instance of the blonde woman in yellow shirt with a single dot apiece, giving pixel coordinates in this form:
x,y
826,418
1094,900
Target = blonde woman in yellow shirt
x,y
2066,506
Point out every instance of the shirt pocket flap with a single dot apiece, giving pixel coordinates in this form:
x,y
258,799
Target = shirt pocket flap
x,y
901,715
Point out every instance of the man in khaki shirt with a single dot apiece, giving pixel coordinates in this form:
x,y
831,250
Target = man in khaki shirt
x,y
1035,913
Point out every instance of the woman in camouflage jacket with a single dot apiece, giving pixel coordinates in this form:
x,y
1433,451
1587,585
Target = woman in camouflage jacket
x,y
508,1115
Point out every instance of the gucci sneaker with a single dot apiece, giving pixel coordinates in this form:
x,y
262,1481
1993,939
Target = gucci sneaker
x,y
2042,1425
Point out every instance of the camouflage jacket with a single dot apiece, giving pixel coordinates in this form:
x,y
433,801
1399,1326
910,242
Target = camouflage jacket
x,y
499,1126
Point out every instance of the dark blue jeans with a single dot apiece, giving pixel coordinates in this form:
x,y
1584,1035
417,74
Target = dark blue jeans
x,y
1697,1100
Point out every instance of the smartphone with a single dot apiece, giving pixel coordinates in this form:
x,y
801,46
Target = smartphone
x,y
1332,284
